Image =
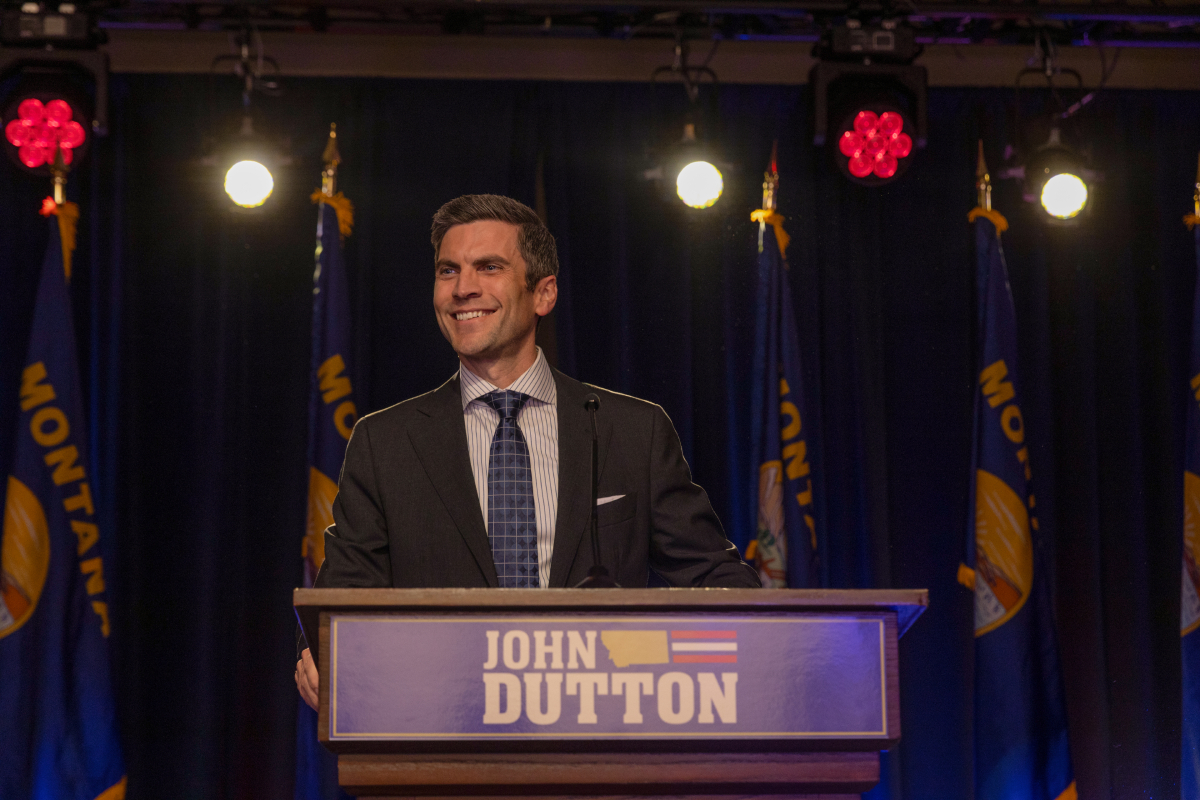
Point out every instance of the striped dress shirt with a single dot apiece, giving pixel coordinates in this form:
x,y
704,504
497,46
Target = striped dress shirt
x,y
538,422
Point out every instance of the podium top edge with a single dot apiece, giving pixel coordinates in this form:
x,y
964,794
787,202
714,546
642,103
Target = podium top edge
x,y
908,604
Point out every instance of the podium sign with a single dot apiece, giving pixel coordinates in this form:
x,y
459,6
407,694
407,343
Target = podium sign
x,y
714,693
606,677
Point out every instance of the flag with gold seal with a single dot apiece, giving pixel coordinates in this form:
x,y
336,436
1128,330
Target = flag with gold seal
x,y
58,723
785,548
1021,746
1189,616
331,417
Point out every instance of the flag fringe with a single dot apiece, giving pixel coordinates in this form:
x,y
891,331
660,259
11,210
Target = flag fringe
x,y
751,550
114,792
991,214
1069,793
68,219
1191,220
342,205
966,576
775,220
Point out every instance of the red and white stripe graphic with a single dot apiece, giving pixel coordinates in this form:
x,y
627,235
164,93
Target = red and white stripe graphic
x,y
704,647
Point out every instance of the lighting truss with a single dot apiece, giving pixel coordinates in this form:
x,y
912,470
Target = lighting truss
x,y
1163,23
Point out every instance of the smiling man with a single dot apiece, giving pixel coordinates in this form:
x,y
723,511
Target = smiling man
x,y
485,481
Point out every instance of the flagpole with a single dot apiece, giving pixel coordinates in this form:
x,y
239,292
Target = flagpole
x,y
58,171
67,213
983,182
331,158
1193,219
770,191
767,215
328,193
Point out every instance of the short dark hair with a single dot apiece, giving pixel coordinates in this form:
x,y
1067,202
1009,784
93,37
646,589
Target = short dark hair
x,y
534,239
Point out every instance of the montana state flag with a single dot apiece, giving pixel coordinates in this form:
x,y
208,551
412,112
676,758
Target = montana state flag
x,y
785,549
1189,627
58,726
1021,746
331,417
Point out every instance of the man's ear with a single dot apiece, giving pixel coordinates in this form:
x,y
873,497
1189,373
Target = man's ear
x,y
545,295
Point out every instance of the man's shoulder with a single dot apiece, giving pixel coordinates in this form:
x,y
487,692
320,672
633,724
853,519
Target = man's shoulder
x,y
398,416
623,405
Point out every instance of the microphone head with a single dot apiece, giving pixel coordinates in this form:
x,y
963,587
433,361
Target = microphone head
x,y
591,403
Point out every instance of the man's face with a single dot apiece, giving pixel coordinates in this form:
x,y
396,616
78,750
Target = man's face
x,y
480,297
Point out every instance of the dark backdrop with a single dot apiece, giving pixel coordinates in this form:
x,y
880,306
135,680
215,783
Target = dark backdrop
x,y
193,328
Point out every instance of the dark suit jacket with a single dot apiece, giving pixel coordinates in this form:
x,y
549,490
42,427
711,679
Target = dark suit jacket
x,y
407,513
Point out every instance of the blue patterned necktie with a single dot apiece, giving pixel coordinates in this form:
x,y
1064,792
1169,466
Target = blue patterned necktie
x,y
512,521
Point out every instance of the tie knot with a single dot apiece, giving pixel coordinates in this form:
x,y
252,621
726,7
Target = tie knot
x,y
508,404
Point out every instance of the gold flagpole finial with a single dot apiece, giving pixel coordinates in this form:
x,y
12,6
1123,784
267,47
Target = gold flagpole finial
x,y
1193,219
983,181
771,180
58,170
1196,195
331,158
767,215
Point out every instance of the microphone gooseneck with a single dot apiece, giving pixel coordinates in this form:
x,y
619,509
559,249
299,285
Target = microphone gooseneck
x,y
597,577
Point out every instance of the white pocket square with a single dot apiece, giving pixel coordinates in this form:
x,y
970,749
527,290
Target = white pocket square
x,y
602,500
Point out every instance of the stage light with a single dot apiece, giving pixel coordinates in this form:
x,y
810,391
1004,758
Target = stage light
x,y
874,145
249,160
699,179
869,101
39,129
1056,179
699,184
249,184
56,84
689,168
1064,195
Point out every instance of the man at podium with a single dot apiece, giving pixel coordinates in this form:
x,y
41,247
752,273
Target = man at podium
x,y
485,481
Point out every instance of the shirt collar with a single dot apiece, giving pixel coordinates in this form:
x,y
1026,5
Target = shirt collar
x,y
537,382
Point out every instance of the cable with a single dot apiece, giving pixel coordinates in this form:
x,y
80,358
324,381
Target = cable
x,y
1106,71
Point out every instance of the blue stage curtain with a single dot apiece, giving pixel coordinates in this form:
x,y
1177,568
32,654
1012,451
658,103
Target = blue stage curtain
x,y
194,328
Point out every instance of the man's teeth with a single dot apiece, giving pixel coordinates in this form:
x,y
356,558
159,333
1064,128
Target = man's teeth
x,y
470,315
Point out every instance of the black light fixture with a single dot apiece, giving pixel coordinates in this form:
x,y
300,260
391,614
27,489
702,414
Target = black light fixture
x,y
245,157
869,99
690,167
59,97
1055,175
1057,179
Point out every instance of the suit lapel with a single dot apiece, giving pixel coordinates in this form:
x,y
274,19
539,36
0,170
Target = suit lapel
x,y
574,473
441,446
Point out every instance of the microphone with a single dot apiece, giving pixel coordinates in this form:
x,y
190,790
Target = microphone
x,y
597,577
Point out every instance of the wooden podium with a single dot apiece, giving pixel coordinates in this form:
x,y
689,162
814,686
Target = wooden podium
x,y
608,692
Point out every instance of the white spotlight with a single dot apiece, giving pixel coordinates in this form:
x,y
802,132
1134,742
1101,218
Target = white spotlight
x,y
249,184
699,184
1064,195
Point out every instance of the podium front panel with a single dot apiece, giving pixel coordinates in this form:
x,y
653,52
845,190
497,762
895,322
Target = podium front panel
x,y
609,677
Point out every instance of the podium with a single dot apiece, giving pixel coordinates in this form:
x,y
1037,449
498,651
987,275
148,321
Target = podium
x,y
714,693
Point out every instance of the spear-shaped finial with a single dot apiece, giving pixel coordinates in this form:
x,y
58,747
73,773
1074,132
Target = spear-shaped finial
x,y
983,181
331,158
58,170
1196,195
771,179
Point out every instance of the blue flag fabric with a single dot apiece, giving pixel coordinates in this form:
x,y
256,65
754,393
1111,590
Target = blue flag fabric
x,y
331,417
785,550
58,727
1189,627
1021,747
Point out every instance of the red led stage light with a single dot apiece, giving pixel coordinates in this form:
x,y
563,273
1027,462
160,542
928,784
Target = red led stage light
x,y
39,129
875,146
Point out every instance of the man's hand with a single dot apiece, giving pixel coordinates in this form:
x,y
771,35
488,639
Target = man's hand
x,y
307,679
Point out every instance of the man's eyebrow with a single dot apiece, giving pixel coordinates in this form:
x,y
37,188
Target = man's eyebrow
x,y
490,259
